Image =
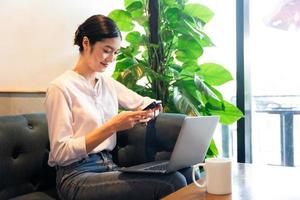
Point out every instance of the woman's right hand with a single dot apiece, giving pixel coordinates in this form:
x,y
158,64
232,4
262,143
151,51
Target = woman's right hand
x,y
128,119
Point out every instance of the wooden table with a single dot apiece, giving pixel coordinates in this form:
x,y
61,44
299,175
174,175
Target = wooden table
x,y
251,182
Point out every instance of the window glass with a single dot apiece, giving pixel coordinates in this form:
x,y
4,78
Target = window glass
x,y
275,45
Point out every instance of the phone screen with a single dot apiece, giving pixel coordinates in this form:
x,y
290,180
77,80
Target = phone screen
x,y
152,105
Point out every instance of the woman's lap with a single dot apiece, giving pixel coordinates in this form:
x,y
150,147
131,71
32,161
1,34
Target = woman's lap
x,y
92,179
117,185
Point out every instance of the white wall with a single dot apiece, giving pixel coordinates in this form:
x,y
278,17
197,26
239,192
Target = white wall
x,y
37,39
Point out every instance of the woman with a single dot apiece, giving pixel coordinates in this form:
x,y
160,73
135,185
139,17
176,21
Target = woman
x,y
82,112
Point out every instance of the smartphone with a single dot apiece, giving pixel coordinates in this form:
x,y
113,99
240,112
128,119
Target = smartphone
x,y
152,105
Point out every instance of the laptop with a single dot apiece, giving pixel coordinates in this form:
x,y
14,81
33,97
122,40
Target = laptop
x,y
190,148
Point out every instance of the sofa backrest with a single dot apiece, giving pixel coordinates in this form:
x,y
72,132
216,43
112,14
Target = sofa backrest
x,y
24,150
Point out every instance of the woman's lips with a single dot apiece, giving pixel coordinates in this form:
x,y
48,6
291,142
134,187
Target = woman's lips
x,y
104,64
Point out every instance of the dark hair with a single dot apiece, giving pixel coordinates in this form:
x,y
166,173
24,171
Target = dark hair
x,y
96,28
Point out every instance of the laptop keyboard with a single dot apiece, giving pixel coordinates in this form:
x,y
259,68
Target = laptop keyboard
x,y
160,167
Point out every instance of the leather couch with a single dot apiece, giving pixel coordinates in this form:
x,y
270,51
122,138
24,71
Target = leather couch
x,y
24,150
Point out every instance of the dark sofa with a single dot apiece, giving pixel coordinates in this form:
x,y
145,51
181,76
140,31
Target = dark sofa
x,y
24,149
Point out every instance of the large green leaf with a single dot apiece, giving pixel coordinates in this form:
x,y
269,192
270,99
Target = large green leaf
x,y
214,74
229,115
183,103
188,48
172,16
188,85
199,11
193,30
202,87
123,19
216,92
208,96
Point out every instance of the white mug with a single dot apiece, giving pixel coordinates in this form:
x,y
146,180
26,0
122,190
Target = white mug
x,y
218,175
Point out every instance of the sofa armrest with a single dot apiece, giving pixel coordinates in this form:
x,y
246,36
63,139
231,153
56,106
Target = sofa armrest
x,y
24,149
148,143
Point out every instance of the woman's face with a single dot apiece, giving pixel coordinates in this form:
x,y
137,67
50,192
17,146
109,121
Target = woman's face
x,y
102,53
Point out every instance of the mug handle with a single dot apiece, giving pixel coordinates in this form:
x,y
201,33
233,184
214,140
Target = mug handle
x,y
193,175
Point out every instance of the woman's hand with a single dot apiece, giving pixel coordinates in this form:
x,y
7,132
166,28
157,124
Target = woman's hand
x,y
128,119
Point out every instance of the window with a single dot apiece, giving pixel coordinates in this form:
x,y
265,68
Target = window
x,y
274,59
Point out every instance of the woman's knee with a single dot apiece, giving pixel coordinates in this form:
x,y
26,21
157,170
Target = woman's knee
x,y
177,180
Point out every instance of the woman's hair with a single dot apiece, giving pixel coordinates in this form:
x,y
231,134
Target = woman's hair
x,y
96,28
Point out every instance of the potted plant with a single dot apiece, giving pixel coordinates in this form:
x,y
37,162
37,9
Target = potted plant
x,y
168,68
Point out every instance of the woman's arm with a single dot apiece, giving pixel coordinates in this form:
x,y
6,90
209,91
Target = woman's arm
x,y
65,147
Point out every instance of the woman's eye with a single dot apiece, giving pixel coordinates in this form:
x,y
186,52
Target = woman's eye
x,y
106,51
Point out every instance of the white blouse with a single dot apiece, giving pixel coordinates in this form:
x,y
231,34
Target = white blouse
x,y
75,108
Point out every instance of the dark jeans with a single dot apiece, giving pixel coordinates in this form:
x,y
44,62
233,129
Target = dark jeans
x,y
96,177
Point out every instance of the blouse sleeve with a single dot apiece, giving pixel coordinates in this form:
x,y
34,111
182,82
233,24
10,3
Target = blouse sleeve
x,y
129,99
65,148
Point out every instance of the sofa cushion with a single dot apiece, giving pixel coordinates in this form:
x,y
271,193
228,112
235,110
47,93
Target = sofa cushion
x,y
33,196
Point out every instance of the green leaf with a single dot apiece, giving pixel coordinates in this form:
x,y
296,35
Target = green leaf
x,y
120,56
129,2
189,87
134,37
191,48
229,115
172,15
130,51
167,35
134,6
190,67
170,2
198,35
205,40
124,64
214,74
136,9
216,92
182,56
201,86
123,19
199,11
183,103
143,21
212,150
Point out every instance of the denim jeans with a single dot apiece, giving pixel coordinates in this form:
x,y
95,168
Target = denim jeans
x,y
96,177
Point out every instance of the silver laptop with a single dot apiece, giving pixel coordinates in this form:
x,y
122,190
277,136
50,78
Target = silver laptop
x,y
190,148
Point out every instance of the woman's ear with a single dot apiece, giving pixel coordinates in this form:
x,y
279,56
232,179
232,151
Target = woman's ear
x,y
85,43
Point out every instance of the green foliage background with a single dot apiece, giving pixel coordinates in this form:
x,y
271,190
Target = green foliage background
x,y
170,70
